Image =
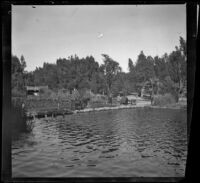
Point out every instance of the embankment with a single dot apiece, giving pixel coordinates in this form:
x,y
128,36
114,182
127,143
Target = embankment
x,y
50,108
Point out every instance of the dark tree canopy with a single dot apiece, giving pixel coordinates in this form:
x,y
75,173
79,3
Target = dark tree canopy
x,y
18,75
130,65
166,74
111,68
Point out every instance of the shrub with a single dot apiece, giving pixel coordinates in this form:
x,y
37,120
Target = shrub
x,y
19,121
162,100
18,93
45,92
124,100
60,95
98,101
75,95
99,98
87,95
18,101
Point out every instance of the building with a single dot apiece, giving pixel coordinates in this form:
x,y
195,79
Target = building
x,y
34,90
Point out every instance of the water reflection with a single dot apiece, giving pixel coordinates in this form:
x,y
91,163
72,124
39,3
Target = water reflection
x,y
129,142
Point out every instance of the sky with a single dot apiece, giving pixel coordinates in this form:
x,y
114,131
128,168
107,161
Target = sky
x,y
45,33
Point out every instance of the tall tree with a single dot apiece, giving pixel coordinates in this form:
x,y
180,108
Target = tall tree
x,y
176,70
111,69
176,63
183,46
160,67
29,79
130,65
144,70
18,79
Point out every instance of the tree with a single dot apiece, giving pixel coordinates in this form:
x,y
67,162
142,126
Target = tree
x,y
122,84
23,63
171,70
183,46
160,67
130,65
143,70
183,49
111,68
72,73
29,79
18,75
165,74
38,75
177,70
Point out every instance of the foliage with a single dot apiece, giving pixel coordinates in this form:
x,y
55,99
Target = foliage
x,y
98,101
121,84
142,71
111,68
124,100
18,80
160,67
72,73
83,76
130,65
45,92
163,100
19,121
166,74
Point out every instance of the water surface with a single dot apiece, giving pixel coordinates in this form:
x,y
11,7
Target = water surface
x,y
119,143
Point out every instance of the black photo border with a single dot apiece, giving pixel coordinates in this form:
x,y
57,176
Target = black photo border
x,y
192,94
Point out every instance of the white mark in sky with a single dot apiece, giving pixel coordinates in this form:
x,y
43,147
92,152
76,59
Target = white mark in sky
x,y
100,35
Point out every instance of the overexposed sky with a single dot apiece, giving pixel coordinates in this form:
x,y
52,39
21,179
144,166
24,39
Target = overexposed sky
x,y
46,33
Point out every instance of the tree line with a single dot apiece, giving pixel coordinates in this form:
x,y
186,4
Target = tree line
x,y
166,74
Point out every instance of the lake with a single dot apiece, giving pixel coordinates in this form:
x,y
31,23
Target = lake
x,y
136,142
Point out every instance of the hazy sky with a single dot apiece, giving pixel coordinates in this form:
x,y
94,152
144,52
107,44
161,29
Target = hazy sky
x,y
46,33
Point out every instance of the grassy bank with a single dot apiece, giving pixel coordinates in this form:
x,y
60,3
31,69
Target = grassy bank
x,y
40,104
61,104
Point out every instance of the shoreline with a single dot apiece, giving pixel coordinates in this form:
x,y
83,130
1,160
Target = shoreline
x,y
128,107
56,112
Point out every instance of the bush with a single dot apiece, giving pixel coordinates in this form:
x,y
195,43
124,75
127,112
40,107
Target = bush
x,y
75,95
98,101
162,100
63,96
45,93
99,98
18,93
124,100
19,121
88,95
18,101
47,104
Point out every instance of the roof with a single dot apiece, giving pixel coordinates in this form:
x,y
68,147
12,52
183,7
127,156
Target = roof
x,y
32,88
36,87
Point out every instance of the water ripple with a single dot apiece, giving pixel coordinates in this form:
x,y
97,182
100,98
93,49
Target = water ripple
x,y
130,142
